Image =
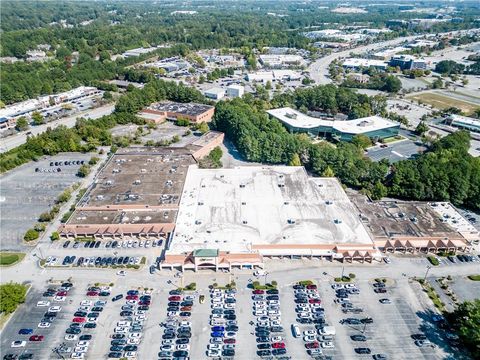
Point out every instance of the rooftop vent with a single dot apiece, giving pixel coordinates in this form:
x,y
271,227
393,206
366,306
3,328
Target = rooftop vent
x,y
337,221
137,182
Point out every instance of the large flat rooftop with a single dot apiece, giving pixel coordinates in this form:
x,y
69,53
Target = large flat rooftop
x,y
191,109
235,209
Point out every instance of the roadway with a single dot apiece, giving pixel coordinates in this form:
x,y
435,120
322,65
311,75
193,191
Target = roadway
x,y
13,141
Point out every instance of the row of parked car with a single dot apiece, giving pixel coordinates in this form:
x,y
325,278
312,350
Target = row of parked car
x,y
67,162
318,335
128,332
223,322
177,330
113,244
84,320
269,332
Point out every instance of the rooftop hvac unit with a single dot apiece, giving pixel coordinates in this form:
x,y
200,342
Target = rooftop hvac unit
x,y
337,221
291,221
329,202
143,171
137,182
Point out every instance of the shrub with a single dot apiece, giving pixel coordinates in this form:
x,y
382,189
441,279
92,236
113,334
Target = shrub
x,y
31,235
274,283
45,217
40,227
305,282
351,276
433,260
55,236
337,279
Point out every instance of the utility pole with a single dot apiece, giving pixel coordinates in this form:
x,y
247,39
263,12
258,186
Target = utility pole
x,y
426,273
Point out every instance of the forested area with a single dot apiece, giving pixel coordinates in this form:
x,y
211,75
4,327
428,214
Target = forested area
x,y
446,172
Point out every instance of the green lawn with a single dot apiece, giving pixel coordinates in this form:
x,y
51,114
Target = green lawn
x,y
474,277
9,258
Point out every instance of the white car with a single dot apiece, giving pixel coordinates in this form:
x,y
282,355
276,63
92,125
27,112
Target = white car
x,y
135,335
168,342
274,339
214,353
141,243
86,303
229,306
185,323
132,302
18,343
77,355
121,273
214,347
173,313
328,345
309,338
83,343
59,298
71,337
131,354
217,306
84,308
120,330
309,333
147,243
43,303
44,325
133,341
81,349
54,308
260,313
184,347
92,320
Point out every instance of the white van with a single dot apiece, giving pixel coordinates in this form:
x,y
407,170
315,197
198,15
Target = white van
x,y
296,330
259,273
328,330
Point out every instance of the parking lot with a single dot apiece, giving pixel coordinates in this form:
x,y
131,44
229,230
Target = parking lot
x,y
407,311
25,194
397,151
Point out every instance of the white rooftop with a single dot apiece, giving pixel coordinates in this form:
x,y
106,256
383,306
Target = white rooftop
x,y
233,209
357,62
297,119
215,91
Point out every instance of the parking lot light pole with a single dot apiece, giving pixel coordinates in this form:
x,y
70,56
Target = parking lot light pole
x,y
265,278
426,273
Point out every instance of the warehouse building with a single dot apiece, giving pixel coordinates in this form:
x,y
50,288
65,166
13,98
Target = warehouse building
x,y
195,113
357,64
215,93
375,127
407,62
234,91
463,122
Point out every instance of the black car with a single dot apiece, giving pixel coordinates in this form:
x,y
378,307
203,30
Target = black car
x,y
25,356
173,308
80,261
217,311
276,329
366,321
87,244
262,333
273,297
97,244
180,353
264,353
126,313
264,346
184,335
419,337
304,321
50,314
74,331
116,348
91,245
182,341
115,355
185,314
10,357
120,260
262,328
85,337
228,352
232,328
126,259
66,243
263,339
75,325
168,336
272,292
363,350
118,336
130,348
298,286
104,293
118,342
90,326
175,292
93,314
80,314
186,303
229,312
117,297
358,338
114,244
108,244
301,301
279,351
98,260
97,308
143,307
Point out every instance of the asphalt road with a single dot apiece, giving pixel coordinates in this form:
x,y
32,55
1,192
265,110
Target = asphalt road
x,y
20,138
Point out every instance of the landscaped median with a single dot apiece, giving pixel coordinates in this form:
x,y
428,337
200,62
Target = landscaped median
x,y
433,260
474,277
48,263
10,258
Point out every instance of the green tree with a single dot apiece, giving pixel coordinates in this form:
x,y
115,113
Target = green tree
x,y
31,235
22,124
437,83
392,84
378,191
295,161
11,295
55,236
37,118
361,141
107,95
83,171
328,172
465,319
203,127
421,128
268,85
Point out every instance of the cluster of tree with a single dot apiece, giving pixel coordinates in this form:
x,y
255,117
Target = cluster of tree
x,y
451,67
447,172
219,73
465,319
11,295
213,160
377,81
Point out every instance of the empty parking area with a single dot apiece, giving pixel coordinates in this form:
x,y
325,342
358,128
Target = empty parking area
x,y
394,152
25,194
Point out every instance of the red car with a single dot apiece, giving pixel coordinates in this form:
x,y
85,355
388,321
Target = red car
x,y
229,341
312,287
144,302
174,298
92,293
279,345
78,320
186,308
312,345
132,297
36,338
62,293
258,292
314,301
